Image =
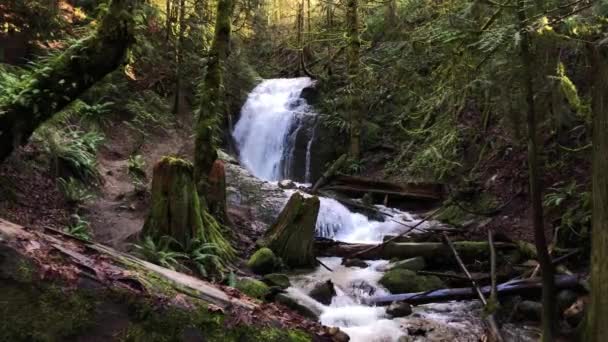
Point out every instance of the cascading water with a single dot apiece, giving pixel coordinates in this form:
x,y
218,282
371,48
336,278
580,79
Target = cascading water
x,y
269,115
265,135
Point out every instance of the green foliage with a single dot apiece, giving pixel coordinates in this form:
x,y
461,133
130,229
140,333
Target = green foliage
x,y
72,151
136,167
79,228
74,191
573,207
205,259
160,252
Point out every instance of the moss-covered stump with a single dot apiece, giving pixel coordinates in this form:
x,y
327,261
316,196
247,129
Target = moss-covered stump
x,y
56,288
177,211
175,207
252,287
406,281
263,261
291,238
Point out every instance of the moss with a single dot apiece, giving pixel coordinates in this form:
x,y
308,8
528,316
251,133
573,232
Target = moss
x,y
47,313
263,261
252,287
406,281
277,279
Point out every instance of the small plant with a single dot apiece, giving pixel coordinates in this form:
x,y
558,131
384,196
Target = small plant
x,y
74,191
160,252
136,167
205,259
79,228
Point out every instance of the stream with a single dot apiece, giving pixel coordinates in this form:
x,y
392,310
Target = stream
x,y
265,136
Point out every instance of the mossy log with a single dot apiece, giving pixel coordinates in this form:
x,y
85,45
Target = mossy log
x,y
176,209
291,237
61,79
55,287
433,252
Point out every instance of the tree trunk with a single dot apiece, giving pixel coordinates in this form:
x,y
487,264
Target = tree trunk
x,y
212,104
178,55
597,317
61,80
548,297
55,287
216,194
292,236
178,211
354,43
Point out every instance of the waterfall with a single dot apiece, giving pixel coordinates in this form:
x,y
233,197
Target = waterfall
x,y
265,134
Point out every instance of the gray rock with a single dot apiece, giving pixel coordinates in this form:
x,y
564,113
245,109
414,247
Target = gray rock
x,y
287,184
323,292
399,309
354,263
565,299
530,310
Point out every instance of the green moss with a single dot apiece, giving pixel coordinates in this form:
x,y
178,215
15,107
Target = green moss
x,y
263,261
277,279
43,314
406,281
252,287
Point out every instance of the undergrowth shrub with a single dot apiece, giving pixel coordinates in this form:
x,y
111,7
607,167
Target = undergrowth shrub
x,y
74,191
79,228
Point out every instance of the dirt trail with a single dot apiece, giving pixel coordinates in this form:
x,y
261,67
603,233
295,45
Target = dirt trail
x,y
120,209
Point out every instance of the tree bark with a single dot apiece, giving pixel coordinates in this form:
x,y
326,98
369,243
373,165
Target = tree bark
x,y
62,79
549,318
597,316
178,211
354,44
212,105
292,236
179,55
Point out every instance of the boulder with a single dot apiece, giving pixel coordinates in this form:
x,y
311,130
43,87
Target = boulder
x,y
354,263
277,279
295,306
530,310
399,309
565,298
323,292
287,184
252,287
412,264
263,261
406,281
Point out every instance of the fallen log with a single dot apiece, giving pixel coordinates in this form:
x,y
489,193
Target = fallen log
x,y
523,287
435,252
59,287
329,173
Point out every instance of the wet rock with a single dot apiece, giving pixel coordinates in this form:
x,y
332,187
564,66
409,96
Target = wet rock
x,y
412,264
354,263
295,306
287,184
576,312
399,309
338,335
252,287
263,261
310,94
362,288
530,310
277,279
565,298
323,292
406,281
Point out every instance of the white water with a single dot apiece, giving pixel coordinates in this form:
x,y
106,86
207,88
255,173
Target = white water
x,y
267,117
262,136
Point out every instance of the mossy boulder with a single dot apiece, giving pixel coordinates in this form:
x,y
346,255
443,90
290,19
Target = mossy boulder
x,y
252,287
263,261
412,264
406,281
323,292
296,306
277,279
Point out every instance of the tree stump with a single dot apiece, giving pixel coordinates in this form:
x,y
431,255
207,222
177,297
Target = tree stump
x,y
292,236
175,208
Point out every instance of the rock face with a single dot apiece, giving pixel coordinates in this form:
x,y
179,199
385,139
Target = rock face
x,y
406,281
399,309
291,237
323,292
263,261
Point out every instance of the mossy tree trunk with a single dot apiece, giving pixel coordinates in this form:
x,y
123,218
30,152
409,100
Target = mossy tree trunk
x,y
354,44
549,318
292,236
63,78
597,317
212,105
178,211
